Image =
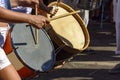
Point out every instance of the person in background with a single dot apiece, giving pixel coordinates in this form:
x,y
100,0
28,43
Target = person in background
x,y
7,70
84,14
116,19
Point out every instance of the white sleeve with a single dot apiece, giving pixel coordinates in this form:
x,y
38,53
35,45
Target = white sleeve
x,y
22,9
2,3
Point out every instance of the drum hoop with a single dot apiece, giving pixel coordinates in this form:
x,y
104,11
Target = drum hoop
x,y
80,21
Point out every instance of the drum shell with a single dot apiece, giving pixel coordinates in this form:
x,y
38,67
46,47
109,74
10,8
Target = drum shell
x,y
7,46
23,71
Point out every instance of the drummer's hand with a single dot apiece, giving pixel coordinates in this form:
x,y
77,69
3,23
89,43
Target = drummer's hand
x,y
38,21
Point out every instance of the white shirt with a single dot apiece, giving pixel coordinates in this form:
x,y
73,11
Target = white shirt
x,y
2,3
22,9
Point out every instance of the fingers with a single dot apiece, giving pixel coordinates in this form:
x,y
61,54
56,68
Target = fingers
x,y
38,21
45,22
35,1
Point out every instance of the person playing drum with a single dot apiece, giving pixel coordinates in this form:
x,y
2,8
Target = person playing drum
x,y
7,71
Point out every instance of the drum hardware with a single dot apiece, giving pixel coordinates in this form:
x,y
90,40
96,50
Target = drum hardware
x,y
32,33
59,48
58,1
58,65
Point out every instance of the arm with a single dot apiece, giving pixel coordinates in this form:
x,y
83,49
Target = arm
x,y
24,3
10,16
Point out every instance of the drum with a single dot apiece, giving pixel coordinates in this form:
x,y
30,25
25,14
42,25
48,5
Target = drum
x,y
28,58
7,46
70,29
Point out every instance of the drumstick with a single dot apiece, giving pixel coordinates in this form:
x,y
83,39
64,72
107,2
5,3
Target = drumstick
x,y
58,1
36,30
64,15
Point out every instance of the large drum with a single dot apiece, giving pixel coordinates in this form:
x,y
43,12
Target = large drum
x,y
31,60
70,29
28,58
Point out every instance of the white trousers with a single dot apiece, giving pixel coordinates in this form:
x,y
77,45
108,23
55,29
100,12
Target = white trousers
x,y
4,62
116,14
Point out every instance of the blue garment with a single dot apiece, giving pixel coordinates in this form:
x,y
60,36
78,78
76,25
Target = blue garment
x,y
5,4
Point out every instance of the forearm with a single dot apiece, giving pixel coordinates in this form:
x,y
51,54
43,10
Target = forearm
x,y
11,16
24,3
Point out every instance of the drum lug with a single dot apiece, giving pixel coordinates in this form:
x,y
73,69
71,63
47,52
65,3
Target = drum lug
x,y
16,48
59,48
28,25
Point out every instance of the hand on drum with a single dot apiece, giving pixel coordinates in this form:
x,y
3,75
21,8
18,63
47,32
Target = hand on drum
x,y
38,21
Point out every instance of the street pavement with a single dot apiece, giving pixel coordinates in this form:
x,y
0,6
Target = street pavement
x,y
93,65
